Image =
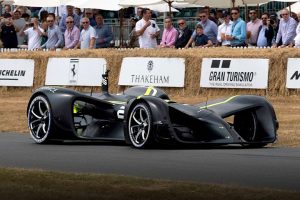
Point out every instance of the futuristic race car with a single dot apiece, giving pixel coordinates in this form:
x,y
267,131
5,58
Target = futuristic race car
x,y
145,117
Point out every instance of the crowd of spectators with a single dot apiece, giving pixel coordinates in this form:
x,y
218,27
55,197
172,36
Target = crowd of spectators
x,y
75,29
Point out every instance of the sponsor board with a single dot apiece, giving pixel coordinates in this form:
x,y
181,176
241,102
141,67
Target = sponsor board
x,y
234,73
293,73
147,71
16,72
75,71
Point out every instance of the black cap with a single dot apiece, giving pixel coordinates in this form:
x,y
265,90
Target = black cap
x,y
7,15
225,14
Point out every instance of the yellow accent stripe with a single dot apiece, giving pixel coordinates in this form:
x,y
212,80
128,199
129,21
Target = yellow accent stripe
x,y
148,91
215,104
117,102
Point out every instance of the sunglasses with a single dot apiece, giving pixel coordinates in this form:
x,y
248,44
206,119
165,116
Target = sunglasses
x,y
202,16
180,23
69,22
251,13
88,13
234,13
85,22
284,14
49,20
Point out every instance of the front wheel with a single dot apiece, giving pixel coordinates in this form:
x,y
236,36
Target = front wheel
x,y
39,119
140,126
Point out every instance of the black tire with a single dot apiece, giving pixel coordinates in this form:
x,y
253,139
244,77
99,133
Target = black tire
x,y
140,127
246,125
40,119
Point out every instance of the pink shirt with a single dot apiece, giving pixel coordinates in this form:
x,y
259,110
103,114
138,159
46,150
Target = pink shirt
x,y
72,37
169,37
253,28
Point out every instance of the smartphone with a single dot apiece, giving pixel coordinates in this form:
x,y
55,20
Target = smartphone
x,y
153,25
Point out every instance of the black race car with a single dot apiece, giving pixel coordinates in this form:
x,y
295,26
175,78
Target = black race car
x,y
145,116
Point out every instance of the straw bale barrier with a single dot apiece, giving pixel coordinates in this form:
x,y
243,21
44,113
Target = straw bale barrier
x,y
193,57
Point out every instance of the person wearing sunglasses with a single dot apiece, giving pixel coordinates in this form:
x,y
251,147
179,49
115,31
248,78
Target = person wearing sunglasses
x,y
286,31
72,34
265,32
238,30
87,36
70,12
252,28
210,29
55,37
184,34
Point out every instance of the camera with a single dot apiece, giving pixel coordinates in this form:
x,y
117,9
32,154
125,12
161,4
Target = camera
x,y
272,22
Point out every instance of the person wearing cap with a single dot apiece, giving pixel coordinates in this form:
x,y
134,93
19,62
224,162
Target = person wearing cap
x,y
224,29
103,32
287,30
133,38
169,35
9,33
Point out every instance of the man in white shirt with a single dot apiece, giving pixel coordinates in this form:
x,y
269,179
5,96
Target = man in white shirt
x,y
224,29
34,33
147,30
87,35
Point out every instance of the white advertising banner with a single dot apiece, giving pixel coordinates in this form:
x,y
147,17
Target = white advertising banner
x,y
148,71
234,73
75,71
16,72
293,73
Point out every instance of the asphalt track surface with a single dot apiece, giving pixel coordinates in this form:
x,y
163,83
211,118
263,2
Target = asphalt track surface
x,y
267,167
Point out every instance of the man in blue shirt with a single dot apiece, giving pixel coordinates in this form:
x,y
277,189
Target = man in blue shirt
x,y
209,27
103,33
55,37
238,29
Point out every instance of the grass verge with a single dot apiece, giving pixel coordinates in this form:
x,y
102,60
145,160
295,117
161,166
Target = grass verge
x,y
28,184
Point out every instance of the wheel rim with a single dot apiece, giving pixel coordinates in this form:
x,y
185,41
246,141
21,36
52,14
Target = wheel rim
x,y
139,125
39,119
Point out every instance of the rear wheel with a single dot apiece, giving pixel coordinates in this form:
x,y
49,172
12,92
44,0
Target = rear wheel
x,y
246,126
140,126
40,119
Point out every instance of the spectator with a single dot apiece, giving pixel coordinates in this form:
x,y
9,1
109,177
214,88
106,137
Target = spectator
x,y
87,35
9,33
265,32
72,34
147,30
286,31
7,10
169,35
55,37
207,10
139,14
34,33
26,17
297,38
70,12
219,17
210,28
201,40
89,14
133,38
224,29
19,24
184,34
103,32
78,12
252,27
48,9
238,29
